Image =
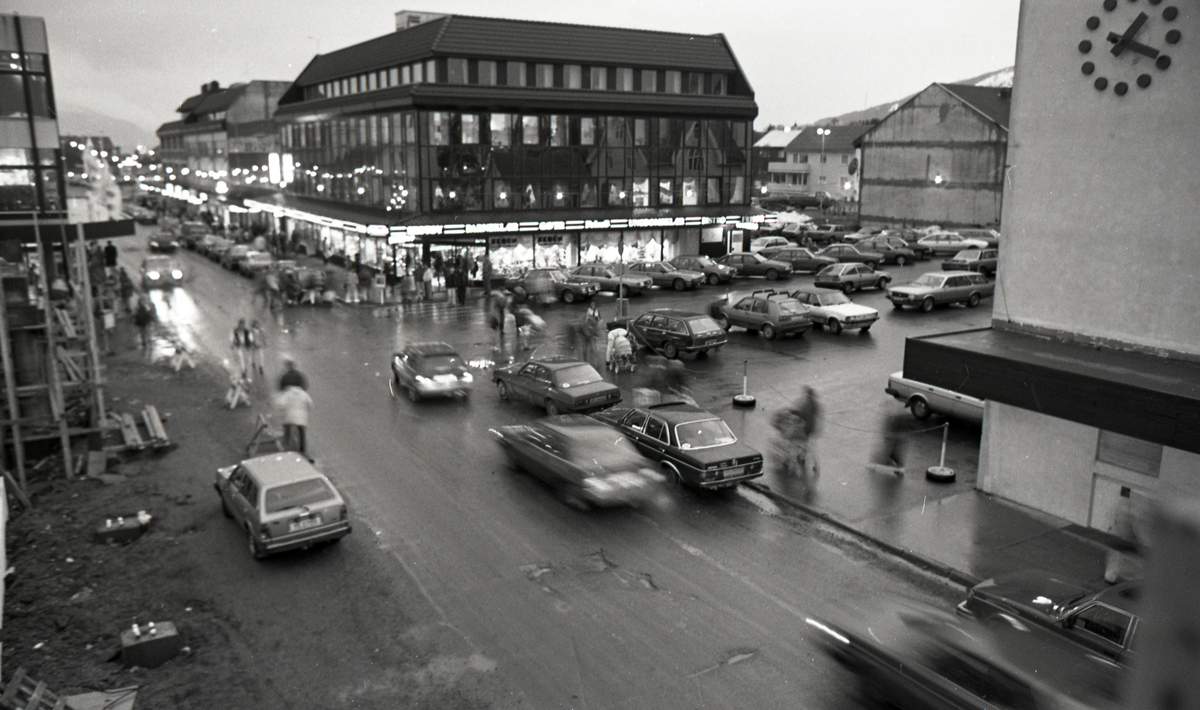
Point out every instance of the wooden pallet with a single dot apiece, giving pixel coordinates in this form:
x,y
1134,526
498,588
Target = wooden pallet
x,y
263,435
144,432
25,693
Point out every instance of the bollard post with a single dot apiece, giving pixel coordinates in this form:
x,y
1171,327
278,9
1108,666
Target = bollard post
x,y
744,399
940,472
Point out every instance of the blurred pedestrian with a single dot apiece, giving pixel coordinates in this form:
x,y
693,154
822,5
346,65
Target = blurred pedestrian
x,y
258,341
530,328
893,442
143,318
241,345
427,281
110,259
498,310
460,284
291,376
352,285
294,405
1124,560
795,427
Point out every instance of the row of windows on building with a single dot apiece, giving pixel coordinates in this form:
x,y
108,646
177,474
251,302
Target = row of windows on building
x,y
485,72
824,158
18,71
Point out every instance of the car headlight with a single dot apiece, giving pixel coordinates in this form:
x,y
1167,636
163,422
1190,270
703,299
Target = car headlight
x,y
152,275
176,274
468,377
423,380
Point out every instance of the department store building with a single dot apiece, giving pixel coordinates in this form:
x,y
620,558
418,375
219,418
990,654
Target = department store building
x,y
538,144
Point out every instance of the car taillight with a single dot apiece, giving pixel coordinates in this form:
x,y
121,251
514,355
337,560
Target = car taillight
x,y
343,514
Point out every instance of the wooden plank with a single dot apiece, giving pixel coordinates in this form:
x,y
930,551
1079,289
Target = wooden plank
x,y
130,433
154,426
97,463
13,687
35,698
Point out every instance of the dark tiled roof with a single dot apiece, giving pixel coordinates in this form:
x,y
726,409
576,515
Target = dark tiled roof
x,y
219,100
496,38
840,139
992,102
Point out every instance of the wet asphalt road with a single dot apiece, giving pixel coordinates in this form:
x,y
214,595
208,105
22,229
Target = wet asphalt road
x,y
698,601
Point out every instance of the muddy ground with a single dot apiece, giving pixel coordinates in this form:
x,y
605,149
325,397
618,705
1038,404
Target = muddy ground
x,y
331,627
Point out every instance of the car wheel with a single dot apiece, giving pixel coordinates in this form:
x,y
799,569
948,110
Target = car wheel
x,y
898,306
848,288
568,495
834,326
927,304
623,291
520,294
670,351
502,389
713,279
225,508
768,331
920,408
881,284
552,409
674,480
723,322
901,260
256,550
973,300
568,296
772,274
679,284
872,265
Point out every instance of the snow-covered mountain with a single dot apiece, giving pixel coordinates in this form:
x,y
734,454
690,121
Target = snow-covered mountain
x,y
998,78
82,121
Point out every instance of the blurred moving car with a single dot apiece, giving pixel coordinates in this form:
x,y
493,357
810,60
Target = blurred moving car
x,y
850,254
669,332
768,312
759,243
713,272
925,399
163,243
559,384
991,236
282,502
934,289
914,658
1106,622
666,275
983,261
746,264
431,369
691,446
802,260
586,462
255,262
608,278
949,243
834,310
849,278
549,284
161,272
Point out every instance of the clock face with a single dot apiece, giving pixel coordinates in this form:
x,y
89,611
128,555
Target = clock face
x,y
1128,44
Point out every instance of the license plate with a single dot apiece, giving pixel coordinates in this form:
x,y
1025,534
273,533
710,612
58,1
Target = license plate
x,y
304,524
731,472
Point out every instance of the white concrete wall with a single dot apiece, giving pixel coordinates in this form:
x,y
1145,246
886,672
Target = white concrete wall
x,y
1101,217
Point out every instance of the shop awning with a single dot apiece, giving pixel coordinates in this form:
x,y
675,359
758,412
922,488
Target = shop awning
x,y
1145,396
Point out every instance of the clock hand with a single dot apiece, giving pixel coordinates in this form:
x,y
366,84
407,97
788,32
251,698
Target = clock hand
x,y
1138,47
1124,40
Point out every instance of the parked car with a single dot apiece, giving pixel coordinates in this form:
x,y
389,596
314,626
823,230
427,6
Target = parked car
x,y
768,312
161,271
925,400
949,243
550,284
431,369
231,256
894,249
670,332
255,262
834,310
691,446
582,460
207,242
825,233
746,264
850,254
713,272
163,243
560,384
759,243
609,278
991,236
667,275
140,214
801,259
983,261
1107,622
849,278
933,289
190,233
282,502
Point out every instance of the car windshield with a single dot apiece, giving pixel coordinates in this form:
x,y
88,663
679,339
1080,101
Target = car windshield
x,y
704,325
701,434
929,280
575,375
758,257
967,255
791,307
158,264
556,275
297,494
699,261
834,299
440,363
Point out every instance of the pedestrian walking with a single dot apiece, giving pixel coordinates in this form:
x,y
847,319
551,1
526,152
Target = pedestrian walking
x,y
294,405
292,377
1124,560
460,285
110,259
241,345
591,333
352,285
143,318
258,341
796,425
427,281
498,310
890,455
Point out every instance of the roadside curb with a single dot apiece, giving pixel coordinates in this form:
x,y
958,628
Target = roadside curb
x,y
918,560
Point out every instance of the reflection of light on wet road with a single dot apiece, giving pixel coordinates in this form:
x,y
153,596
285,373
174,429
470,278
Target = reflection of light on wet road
x,y
178,319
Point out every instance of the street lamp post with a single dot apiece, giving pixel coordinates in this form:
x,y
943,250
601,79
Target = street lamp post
x,y
823,132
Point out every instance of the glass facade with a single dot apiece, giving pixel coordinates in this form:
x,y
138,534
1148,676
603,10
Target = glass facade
x,y
27,169
454,161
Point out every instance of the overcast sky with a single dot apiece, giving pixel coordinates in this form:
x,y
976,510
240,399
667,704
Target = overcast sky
x,y
807,60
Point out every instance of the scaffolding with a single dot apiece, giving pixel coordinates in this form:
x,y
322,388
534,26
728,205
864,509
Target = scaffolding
x,y
53,386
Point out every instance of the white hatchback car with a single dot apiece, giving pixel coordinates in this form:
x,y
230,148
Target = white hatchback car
x,y
761,243
834,310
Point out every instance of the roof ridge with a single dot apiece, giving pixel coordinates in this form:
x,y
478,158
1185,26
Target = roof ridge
x,y
715,35
973,107
437,39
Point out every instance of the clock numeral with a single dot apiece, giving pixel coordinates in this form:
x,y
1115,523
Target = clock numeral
x,y
1110,5
1174,36
1088,68
1143,80
1120,88
1093,22
1162,62
1170,13
1085,47
1101,84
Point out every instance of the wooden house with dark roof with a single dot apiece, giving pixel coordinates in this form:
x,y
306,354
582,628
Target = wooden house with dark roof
x,y
937,159
535,143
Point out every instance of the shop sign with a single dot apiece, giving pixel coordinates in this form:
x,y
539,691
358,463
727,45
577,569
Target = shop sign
x,y
377,230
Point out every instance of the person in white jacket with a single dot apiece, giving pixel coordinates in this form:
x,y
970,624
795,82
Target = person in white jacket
x,y
294,405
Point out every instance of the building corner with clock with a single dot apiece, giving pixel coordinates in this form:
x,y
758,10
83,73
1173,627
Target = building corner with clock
x,y
1091,369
